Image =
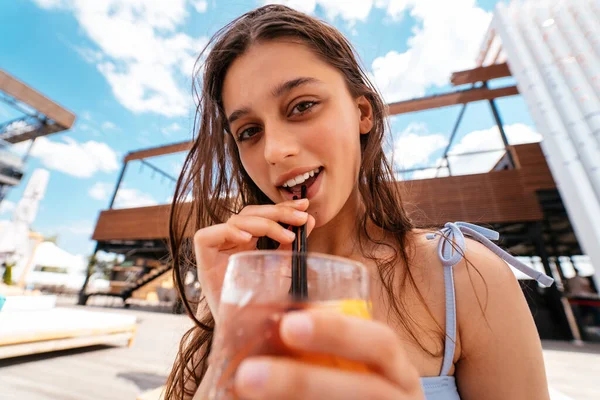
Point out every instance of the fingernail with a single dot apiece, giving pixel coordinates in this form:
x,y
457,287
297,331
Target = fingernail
x,y
297,327
290,234
300,214
300,201
245,235
252,376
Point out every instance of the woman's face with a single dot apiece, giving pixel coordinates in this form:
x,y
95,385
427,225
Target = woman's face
x,y
295,123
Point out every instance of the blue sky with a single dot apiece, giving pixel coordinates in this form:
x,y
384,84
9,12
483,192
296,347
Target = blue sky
x,y
124,68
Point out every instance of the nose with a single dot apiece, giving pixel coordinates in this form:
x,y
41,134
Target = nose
x,y
279,145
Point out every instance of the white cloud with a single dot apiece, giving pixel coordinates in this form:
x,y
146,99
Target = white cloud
x,y
131,198
349,10
101,190
139,52
415,146
126,197
170,129
6,207
447,41
18,127
488,139
200,5
81,160
108,125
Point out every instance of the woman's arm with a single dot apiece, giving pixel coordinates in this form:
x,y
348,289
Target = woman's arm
x,y
501,353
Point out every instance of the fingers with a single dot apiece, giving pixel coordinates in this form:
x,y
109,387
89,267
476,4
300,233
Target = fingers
x,y
290,213
255,221
220,235
280,378
259,226
300,204
327,332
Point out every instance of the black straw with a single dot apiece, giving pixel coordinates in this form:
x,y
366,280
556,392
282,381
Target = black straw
x,y
299,287
295,288
303,253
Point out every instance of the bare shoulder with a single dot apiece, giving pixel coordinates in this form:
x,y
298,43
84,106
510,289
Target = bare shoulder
x,y
480,273
497,331
485,286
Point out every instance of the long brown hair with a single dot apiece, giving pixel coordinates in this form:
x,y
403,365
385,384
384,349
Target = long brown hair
x,y
219,186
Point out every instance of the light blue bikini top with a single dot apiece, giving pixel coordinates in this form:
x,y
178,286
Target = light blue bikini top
x,y
443,387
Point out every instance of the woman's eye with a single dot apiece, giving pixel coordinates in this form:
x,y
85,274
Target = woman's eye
x,y
302,107
248,133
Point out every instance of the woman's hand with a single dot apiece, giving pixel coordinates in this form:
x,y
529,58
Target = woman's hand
x,y
214,244
372,343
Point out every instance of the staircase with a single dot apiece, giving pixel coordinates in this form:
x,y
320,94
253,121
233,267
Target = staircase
x,y
125,289
145,279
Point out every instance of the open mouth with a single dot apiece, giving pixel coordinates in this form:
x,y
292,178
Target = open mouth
x,y
294,185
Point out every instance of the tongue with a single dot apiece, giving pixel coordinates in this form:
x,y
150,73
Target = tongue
x,y
298,188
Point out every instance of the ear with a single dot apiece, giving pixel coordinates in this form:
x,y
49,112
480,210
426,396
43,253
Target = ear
x,y
366,114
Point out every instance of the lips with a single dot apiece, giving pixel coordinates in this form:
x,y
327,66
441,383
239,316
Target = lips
x,y
312,184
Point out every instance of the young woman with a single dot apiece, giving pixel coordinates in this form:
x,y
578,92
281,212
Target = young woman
x,y
283,95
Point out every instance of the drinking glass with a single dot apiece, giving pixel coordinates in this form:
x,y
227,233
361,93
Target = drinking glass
x,y
256,294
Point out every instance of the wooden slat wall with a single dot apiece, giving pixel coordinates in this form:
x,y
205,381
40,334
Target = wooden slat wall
x,y
536,174
133,224
494,197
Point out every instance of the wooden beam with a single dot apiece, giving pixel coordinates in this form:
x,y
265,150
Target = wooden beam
x,y
44,130
480,74
158,151
450,99
25,94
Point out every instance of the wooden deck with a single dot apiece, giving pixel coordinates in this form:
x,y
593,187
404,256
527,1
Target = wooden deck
x,y
99,372
109,373
496,197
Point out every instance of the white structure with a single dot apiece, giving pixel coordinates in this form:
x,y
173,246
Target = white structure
x,y
15,244
49,265
553,51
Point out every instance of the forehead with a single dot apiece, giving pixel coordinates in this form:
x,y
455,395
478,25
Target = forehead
x,y
253,75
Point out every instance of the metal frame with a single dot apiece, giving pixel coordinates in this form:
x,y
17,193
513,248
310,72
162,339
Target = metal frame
x,y
42,115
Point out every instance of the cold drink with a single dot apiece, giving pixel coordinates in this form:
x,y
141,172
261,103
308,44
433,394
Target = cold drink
x,y
253,330
254,298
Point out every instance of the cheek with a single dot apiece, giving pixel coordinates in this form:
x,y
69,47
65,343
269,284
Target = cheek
x,y
339,140
253,167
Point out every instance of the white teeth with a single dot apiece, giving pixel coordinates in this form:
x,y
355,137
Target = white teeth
x,y
301,178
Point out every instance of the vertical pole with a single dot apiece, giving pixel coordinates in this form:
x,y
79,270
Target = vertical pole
x,y
26,156
121,175
451,139
558,303
498,120
83,296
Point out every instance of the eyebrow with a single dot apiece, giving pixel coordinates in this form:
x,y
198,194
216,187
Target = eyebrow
x,y
278,91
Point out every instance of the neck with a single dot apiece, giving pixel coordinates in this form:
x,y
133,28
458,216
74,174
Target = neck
x,y
339,236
